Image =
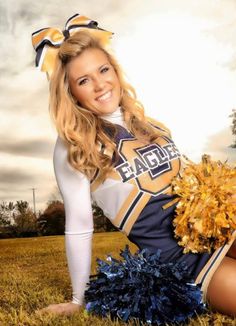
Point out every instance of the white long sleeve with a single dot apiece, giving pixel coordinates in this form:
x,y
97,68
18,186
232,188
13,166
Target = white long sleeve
x,y
75,190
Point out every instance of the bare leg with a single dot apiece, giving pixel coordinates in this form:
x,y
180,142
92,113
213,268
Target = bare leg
x,y
221,293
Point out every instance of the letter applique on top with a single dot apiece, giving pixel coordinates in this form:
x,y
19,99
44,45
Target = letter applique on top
x,y
152,166
141,173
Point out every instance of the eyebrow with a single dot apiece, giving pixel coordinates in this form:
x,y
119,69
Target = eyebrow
x,y
80,77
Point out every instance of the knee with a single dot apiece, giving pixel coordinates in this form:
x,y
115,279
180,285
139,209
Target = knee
x,y
221,291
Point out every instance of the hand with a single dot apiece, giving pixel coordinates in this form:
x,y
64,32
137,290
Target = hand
x,y
67,308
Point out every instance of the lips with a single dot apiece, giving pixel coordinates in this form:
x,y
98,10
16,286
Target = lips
x,y
105,97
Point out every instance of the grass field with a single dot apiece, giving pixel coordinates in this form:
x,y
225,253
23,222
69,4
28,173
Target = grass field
x,y
33,274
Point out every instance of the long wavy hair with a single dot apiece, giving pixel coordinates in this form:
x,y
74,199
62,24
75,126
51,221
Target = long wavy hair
x,y
83,131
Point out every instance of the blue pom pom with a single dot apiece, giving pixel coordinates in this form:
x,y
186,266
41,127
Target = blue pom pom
x,y
141,287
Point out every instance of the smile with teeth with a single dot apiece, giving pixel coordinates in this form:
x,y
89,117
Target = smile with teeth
x,y
105,97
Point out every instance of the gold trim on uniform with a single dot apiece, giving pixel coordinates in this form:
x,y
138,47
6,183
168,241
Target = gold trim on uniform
x,y
204,277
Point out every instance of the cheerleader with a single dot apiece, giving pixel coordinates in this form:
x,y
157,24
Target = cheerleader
x,y
109,152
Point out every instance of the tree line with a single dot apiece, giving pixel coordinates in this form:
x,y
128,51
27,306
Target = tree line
x,y
233,126
18,220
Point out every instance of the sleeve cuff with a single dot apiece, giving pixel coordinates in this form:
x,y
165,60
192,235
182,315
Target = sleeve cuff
x,y
77,301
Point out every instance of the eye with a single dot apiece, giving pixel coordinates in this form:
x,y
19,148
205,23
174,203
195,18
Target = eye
x,y
104,69
83,81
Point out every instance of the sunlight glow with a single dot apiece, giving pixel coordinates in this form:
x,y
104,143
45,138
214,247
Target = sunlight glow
x,y
181,76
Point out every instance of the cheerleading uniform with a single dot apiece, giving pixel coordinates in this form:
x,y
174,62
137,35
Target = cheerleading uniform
x,y
136,197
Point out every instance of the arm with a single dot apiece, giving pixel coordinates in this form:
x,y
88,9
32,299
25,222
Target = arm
x,y
75,190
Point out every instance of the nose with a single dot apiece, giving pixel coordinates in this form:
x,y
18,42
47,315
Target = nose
x,y
98,83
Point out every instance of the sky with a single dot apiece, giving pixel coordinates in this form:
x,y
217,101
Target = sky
x,y
179,55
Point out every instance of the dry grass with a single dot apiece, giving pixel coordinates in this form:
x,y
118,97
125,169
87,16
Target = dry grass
x,y
33,274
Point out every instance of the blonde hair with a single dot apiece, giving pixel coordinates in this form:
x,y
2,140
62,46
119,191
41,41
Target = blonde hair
x,y
81,129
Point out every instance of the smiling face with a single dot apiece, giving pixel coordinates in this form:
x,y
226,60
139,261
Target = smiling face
x,y
94,82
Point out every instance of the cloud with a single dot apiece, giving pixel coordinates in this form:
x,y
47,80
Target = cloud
x,y
218,145
26,132
13,176
20,19
34,148
17,182
24,92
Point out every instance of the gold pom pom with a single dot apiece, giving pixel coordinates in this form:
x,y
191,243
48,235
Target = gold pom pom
x,y
206,212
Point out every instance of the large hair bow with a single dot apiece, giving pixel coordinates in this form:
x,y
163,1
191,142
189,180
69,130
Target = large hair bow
x,y
46,41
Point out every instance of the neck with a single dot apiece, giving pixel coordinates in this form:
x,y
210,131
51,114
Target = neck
x,y
115,117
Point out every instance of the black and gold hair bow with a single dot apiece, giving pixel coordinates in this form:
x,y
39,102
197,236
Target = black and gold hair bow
x,y
46,41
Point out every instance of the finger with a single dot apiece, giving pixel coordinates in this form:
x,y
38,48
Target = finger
x,y
44,310
40,311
